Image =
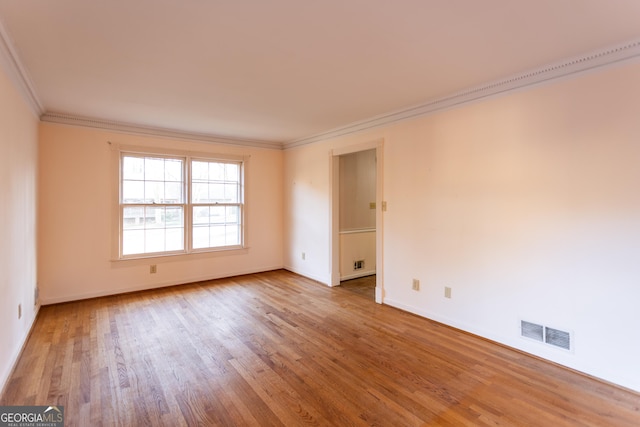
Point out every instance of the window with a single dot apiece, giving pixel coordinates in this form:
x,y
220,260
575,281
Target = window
x,y
215,196
175,205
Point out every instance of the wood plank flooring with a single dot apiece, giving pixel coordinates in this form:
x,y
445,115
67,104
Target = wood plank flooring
x,y
276,349
365,286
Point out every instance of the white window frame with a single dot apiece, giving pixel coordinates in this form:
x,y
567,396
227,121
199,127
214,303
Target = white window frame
x,y
118,153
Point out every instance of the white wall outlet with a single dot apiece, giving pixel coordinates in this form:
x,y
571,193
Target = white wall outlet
x,y
19,311
153,269
447,292
304,256
415,285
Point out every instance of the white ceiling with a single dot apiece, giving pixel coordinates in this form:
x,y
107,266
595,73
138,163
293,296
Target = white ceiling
x,y
284,70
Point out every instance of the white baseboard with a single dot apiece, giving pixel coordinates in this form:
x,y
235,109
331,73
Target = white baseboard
x,y
358,275
445,320
146,287
559,357
307,275
16,356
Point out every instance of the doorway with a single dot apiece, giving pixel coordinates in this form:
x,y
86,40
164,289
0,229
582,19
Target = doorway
x,y
357,221
356,259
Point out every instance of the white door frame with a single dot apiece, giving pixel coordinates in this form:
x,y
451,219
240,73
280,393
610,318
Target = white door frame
x,y
334,245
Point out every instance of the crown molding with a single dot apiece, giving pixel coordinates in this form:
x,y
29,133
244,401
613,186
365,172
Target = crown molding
x,y
10,62
17,72
70,119
551,72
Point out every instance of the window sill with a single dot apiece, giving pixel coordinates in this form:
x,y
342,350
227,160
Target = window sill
x,y
145,260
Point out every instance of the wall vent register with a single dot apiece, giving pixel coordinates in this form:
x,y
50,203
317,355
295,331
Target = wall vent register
x,y
545,334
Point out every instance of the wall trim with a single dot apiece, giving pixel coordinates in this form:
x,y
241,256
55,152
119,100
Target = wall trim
x,y
307,275
358,231
358,275
151,286
556,356
130,128
4,381
17,72
548,73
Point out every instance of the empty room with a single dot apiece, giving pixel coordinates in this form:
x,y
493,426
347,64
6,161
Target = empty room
x,y
320,213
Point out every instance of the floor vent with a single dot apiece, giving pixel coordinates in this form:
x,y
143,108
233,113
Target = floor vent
x,y
541,333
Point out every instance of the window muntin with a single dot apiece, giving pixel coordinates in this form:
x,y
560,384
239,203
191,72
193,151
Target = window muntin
x,y
177,205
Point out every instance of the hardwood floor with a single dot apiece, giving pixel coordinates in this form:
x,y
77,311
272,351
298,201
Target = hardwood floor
x,y
365,286
278,349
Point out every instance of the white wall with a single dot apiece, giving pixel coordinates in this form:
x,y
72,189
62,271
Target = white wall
x,y
527,205
18,177
75,217
357,246
357,190
307,214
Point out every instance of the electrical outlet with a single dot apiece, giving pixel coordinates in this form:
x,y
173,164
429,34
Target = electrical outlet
x,y
415,285
153,269
447,292
19,311
304,256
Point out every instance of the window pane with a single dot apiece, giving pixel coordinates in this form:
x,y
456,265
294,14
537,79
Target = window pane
x,y
199,171
232,172
217,236
231,193
201,214
133,168
173,170
154,241
133,218
217,215
216,171
175,240
216,193
232,236
132,242
132,191
232,215
200,193
153,169
154,217
173,217
200,237
173,192
153,192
